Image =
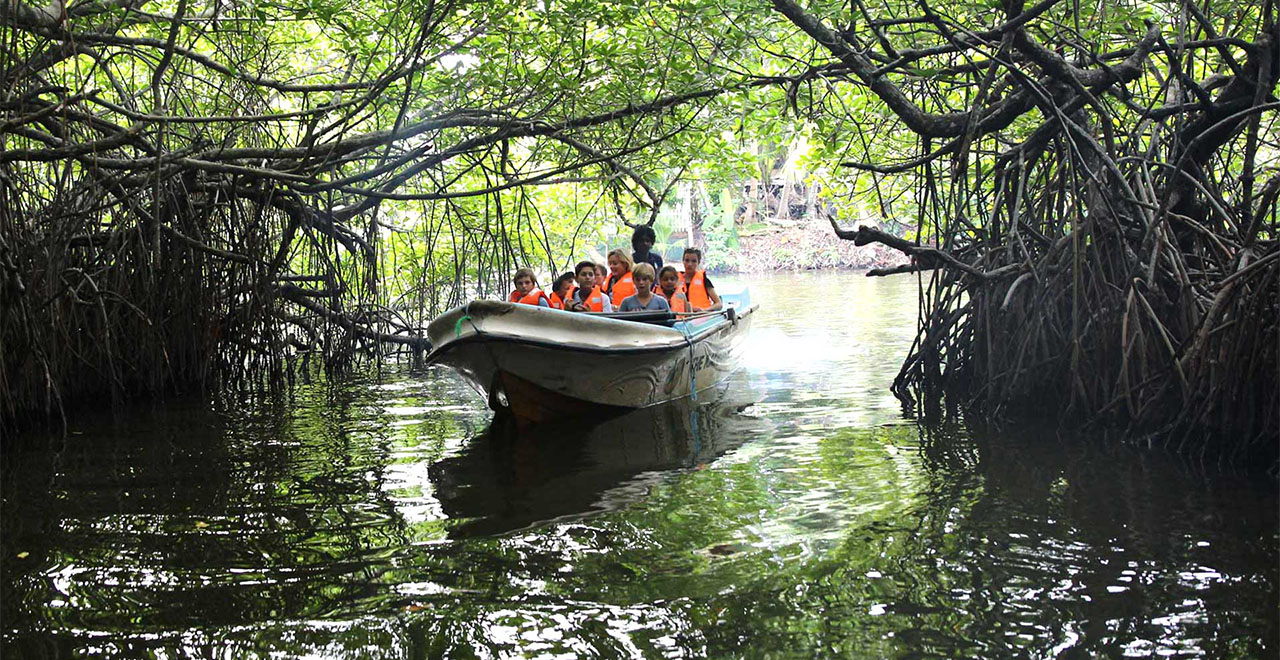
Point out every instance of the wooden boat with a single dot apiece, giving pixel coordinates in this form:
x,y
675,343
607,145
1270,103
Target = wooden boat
x,y
544,364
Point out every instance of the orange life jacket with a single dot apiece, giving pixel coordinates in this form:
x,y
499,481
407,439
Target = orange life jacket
x,y
533,297
621,288
555,300
677,302
696,291
514,296
594,301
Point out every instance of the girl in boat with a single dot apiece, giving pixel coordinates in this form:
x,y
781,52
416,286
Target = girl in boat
x,y
644,299
697,286
527,291
669,287
562,291
588,297
620,284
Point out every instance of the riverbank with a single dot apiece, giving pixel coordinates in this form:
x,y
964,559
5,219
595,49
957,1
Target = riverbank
x,y
807,243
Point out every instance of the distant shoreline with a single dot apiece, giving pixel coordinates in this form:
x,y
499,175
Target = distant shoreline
x,y
809,244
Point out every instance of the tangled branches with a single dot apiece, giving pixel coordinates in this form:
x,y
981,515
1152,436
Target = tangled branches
x,y
1104,241
205,195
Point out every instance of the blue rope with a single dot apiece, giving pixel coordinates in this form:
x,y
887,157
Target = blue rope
x,y
693,391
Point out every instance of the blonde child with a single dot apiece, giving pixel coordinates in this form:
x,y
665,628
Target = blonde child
x,y
644,300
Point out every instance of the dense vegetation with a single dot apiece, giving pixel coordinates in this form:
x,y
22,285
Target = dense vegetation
x,y
198,192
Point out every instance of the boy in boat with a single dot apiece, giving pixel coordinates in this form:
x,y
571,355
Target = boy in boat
x,y
588,297
527,291
669,287
642,241
697,286
562,291
644,300
619,284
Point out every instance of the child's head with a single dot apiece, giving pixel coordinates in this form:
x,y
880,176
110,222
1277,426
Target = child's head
x,y
668,278
562,285
602,274
692,260
619,263
643,238
586,272
524,280
642,276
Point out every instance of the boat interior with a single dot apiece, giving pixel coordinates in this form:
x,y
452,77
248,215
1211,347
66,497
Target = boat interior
x,y
732,303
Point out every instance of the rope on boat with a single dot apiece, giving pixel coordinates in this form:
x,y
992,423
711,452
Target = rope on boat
x,y
693,392
466,316
729,313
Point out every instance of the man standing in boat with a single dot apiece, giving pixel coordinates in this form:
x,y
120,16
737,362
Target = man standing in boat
x,y
642,241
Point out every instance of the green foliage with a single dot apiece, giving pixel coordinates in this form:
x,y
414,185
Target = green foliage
x,y
720,232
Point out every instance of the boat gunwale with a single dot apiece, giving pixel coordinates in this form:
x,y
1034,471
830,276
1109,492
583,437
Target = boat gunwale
x,y
680,342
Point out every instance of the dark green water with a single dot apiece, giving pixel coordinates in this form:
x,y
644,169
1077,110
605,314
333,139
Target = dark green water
x,y
793,514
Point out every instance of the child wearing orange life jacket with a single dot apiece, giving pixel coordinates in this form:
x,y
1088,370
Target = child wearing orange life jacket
x,y
644,300
588,297
620,283
697,286
527,291
562,291
602,277
669,287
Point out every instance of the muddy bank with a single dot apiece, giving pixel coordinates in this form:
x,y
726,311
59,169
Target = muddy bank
x,y
807,244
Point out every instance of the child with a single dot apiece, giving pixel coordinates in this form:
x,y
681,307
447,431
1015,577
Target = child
x,y
643,300
697,286
562,291
669,287
602,276
642,241
620,284
588,297
527,291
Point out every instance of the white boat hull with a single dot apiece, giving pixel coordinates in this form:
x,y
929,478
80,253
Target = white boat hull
x,y
544,363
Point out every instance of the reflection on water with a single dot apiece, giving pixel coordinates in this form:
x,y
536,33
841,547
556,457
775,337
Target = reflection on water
x,y
792,514
509,477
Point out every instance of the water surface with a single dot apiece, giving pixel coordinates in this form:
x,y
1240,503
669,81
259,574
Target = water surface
x,y
793,513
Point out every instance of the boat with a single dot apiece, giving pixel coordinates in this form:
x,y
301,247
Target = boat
x,y
542,364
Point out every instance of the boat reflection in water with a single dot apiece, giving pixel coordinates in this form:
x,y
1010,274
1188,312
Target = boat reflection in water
x,y
512,476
